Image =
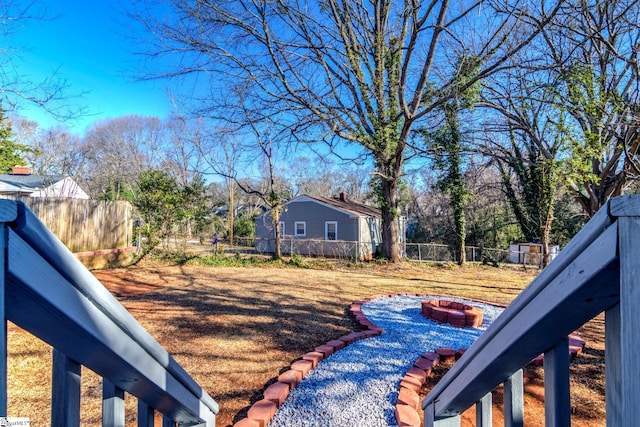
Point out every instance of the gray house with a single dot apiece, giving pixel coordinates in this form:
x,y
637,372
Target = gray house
x,y
320,226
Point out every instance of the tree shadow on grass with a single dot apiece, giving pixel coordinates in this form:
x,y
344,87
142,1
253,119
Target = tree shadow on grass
x,y
246,329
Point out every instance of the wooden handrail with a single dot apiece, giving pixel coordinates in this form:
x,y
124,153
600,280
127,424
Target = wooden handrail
x,y
49,293
584,280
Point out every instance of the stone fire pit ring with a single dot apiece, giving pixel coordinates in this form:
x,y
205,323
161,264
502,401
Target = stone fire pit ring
x,y
452,312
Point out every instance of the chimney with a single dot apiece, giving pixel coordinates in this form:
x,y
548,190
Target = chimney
x,y
21,170
343,196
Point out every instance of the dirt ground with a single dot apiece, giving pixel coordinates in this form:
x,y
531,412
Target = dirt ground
x,y
235,329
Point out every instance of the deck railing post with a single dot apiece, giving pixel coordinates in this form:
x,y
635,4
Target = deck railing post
x,y
145,415
613,366
429,415
483,412
112,405
65,391
430,419
3,317
557,402
622,329
514,400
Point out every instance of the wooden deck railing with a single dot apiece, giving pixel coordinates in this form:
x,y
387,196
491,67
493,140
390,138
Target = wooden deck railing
x,y
598,271
50,294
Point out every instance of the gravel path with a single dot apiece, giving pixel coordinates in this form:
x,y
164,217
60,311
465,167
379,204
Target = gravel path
x,y
358,385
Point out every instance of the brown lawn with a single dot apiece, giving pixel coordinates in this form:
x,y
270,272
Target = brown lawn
x,y
235,329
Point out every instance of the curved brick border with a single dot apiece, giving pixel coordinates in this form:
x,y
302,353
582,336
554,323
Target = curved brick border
x,y
408,396
261,412
274,395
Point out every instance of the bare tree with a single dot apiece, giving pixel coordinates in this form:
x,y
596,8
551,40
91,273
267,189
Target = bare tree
x,y
317,176
117,151
224,155
524,134
271,190
58,152
594,51
51,94
360,71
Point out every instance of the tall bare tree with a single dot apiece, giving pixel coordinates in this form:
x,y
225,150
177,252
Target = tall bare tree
x,y
594,52
524,133
365,72
57,152
117,151
249,147
224,155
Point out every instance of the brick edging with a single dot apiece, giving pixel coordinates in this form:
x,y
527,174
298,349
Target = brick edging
x,y
406,411
261,412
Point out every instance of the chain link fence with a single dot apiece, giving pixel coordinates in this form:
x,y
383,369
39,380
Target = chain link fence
x,y
349,250
443,253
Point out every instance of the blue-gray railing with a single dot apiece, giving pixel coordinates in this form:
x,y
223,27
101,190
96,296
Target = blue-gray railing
x,y
598,271
49,293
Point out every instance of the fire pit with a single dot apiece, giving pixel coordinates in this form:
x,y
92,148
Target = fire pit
x,y
452,312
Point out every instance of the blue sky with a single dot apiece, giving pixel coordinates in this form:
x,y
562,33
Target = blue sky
x,y
84,43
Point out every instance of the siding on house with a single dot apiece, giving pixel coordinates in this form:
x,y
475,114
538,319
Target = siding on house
x,y
315,215
358,229
371,229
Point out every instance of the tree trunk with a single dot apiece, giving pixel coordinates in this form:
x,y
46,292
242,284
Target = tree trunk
x,y
390,228
275,218
460,229
546,236
231,212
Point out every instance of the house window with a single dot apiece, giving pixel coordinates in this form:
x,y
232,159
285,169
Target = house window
x,y
331,230
280,228
300,228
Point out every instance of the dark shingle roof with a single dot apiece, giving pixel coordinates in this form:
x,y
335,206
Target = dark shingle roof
x,y
348,205
34,182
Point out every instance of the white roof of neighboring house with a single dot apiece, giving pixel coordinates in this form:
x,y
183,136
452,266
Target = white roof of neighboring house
x,y
41,186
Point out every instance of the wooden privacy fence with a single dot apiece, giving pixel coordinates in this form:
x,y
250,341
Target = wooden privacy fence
x,y
49,293
85,225
598,271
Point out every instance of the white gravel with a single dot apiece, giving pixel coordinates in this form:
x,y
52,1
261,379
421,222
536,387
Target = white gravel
x,y
358,385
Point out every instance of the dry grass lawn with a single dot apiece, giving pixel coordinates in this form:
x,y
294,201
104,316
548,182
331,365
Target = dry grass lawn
x,y
235,329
